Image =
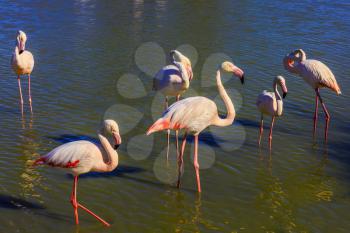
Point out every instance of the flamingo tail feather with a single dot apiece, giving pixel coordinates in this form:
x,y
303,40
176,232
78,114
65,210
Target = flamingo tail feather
x,y
160,124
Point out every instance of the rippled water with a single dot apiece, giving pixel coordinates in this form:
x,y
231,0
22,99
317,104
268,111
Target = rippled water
x,y
92,62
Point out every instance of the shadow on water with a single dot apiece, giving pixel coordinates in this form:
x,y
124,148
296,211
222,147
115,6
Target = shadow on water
x,y
11,202
120,171
204,137
64,138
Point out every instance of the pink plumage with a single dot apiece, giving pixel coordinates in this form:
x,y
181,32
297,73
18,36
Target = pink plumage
x,y
80,157
194,114
317,75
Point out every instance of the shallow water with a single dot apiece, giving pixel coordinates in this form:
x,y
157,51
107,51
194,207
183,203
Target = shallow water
x,y
95,59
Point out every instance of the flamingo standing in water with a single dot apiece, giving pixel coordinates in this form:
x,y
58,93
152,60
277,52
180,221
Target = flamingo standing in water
x,y
22,63
317,75
81,157
194,114
270,103
171,81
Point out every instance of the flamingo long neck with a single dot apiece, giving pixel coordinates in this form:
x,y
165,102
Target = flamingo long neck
x,y
231,113
16,53
185,78
111,153
302,55
278,100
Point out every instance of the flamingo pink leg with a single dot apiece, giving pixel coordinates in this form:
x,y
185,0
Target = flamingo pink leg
x,y
195,163
73,200
20,89
270,136
261,128
316,113
30,95
177,133
180,159
76,205
327,115
168,131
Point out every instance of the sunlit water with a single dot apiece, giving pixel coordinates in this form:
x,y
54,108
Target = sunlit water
x,y
90,55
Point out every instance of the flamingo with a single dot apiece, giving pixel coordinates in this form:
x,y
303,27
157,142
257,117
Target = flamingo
x,y
81,157
270,103
172,82
317,75
194,114
22,63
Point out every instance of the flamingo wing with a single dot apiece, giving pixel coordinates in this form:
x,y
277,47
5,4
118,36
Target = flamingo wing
x,y
193,114
266,103
321,74
167,77
70,155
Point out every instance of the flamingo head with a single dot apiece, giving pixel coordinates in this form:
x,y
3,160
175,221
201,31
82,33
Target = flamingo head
x,y
179,57
21,40
231,68
290,60
282,82
111,127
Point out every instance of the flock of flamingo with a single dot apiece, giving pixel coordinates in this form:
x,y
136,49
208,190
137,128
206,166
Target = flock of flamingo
x,y
193,114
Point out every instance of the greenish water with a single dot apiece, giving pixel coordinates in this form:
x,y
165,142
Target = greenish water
x,y
94,59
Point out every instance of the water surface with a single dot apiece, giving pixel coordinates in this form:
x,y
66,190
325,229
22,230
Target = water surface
x,y
83,49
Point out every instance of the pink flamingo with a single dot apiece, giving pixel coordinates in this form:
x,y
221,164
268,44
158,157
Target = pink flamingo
x,y
270,103
317,75
22,63
171,81
194,114
81,157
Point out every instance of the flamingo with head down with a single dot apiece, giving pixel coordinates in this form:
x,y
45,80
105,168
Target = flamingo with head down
x,y
171,81
22,62
270,103
194,114
81,157
317,75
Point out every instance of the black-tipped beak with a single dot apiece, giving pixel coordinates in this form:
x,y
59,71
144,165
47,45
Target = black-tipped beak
x,y
284,94
118,140
242,79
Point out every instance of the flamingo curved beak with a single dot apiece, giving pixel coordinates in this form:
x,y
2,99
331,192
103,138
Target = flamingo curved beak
x,y
284,95
117,140
239,73
242,79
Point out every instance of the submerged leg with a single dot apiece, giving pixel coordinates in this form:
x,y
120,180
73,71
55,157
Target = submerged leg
x,y
73,199
20,89
195,162
177,133
180,160
261,128
270,135
316,112
328,117
76,205
30,95
168,131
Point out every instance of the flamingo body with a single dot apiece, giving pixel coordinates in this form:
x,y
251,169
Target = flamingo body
x,y
317,75
173,80
194,114
267,104
22,63
270,103
77,157
169,82
80,157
